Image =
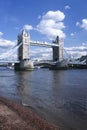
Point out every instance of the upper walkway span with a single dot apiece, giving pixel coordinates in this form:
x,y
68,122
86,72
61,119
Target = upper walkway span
x,y
44,44
1,62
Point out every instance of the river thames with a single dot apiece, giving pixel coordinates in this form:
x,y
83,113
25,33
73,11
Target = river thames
x,y
59,96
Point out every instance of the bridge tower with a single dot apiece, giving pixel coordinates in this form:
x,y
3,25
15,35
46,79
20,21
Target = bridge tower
x,y
57,51
23,52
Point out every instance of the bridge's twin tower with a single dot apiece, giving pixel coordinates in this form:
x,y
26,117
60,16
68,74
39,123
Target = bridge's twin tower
x,y
23,52
57,51
24,42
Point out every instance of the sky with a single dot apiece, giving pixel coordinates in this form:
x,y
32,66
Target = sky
x,y
44,20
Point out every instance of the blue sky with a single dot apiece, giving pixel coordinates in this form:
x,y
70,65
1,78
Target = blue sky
x,y
45,19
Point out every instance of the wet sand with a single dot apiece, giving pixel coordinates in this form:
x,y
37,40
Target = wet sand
x,y
17,117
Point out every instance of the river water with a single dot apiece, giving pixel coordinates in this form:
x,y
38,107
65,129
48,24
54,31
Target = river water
x,y
58,96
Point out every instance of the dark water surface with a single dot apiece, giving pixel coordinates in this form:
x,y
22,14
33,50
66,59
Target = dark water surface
x,y
58,96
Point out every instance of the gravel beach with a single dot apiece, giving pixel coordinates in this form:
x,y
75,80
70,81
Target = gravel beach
x,y
17,117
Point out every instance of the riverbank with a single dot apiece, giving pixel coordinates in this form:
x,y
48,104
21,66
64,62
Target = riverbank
x,y
16,117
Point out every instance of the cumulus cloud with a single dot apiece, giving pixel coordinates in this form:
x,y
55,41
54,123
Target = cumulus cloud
x,y
27,27
52,24
78,51
1,34
55,15
6,51
67,7
41,53
83,24
6,43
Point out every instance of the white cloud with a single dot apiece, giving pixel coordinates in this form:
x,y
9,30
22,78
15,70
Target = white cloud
x,y
41,53
72,34
6,43
6,51
55,15
83,24
77,51
28,27
67,7
77,24
1,34
52,24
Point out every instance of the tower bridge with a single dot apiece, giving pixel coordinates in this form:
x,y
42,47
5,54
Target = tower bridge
x,y
23,46
23,50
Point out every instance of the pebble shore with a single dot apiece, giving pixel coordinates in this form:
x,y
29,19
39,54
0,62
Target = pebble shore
x,y
17,117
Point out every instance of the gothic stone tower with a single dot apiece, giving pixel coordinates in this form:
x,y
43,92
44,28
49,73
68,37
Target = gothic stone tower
x,y
23,51
58,51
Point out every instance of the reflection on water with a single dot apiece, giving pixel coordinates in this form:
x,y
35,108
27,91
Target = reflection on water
x,y
58,96
24,85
